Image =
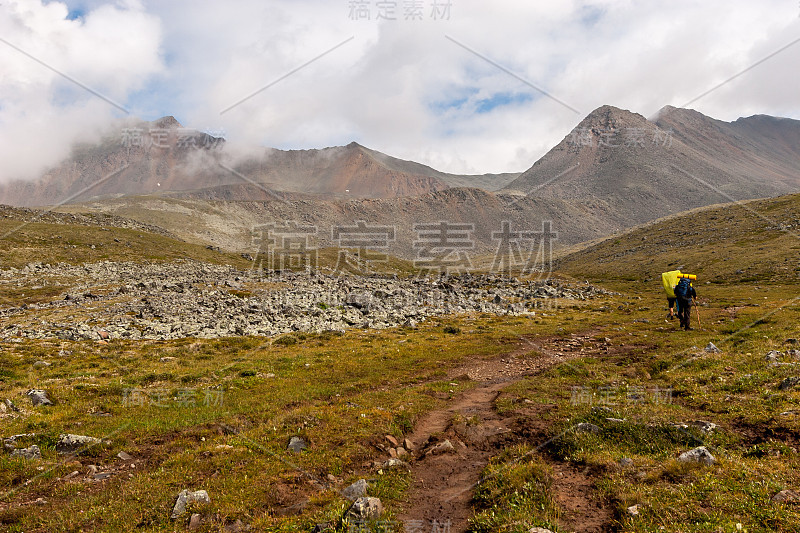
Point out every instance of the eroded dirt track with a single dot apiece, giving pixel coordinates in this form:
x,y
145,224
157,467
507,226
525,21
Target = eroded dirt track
x,y
445,482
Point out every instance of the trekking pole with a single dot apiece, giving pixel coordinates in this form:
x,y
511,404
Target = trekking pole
x,y
697,310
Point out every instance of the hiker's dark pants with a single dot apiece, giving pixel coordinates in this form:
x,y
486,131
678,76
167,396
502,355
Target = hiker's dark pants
x,y
671,302
684,314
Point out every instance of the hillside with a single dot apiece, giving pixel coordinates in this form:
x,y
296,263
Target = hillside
x,y
225,216
753,241
648,169
162,156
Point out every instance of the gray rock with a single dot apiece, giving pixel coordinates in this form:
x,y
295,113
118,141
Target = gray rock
x,y
539,530
296,444
789,383
8,403
786,496
633,510
625,462
69,443
195,521
356,490
710,348
124,456
705,426
39,397
185,497
31,452
234,527
395,463
364,509
443,447
586,427
41,364
697,455
772,356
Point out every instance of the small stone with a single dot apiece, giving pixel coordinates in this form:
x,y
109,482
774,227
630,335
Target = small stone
x,y
103,334
91,470
124,456
786,496
234,527
705,426
40,501
408,445
401,452
789,383
356,490
395,463
772,356
39,397
364,509
711,348
392,452
101,476
441,448
633,510
539,530
68,443
296,444
697,455
41,364
392,441
31,452
168,359
625,462
186,497
586,427
195,521
8,403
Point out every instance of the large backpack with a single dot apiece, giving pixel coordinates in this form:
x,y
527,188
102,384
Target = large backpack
x,y
682,289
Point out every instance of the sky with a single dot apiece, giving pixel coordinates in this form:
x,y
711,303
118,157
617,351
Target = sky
x,y
465,86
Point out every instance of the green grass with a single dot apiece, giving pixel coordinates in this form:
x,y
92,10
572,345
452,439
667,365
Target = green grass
x,y
754,242
341,393
756,445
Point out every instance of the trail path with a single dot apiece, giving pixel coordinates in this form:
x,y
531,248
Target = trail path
x,y
444,483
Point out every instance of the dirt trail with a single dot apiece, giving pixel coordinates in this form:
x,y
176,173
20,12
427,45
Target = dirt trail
x,y
444,483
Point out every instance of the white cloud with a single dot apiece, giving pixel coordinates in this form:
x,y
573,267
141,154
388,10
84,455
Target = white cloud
x,y
43,111
401,86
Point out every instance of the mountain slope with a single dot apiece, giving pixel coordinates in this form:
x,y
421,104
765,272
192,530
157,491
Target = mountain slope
x,y
163,156
680,161
754,240
226,216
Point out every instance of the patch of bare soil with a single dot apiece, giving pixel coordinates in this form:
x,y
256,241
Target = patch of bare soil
x,y
445,479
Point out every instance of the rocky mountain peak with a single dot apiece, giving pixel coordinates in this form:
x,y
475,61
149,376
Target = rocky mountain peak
x,y
169,122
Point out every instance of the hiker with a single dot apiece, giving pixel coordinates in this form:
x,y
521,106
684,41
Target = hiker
x,y
684,293
669,280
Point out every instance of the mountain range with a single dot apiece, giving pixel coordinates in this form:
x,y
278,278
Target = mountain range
x,y
614,170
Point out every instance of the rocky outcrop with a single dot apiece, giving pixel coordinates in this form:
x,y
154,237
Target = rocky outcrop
x,y
191,299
